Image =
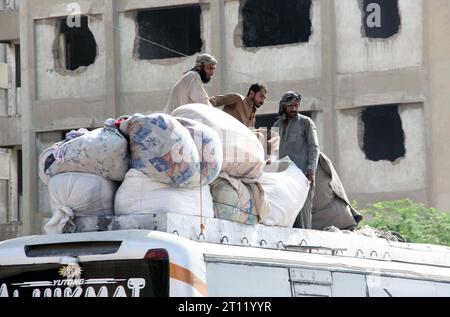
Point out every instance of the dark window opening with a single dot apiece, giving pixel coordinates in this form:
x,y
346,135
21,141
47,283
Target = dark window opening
x,y
19,172
18,74
164,32
79,46
64,134
384,138
275,22
307,114
266,121
381,18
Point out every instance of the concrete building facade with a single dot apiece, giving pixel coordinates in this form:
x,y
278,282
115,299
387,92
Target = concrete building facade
x,y
365,93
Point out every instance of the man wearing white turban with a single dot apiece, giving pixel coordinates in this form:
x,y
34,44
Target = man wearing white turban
x,y
189,89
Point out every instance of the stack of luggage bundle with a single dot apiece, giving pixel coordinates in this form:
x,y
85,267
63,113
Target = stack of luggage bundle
x,y
199,161
82,174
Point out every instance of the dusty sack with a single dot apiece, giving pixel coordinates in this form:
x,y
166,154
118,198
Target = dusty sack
x,y
238,200
243,154
209,148
103,152
139,194
286,189
78,195
163,149
331,206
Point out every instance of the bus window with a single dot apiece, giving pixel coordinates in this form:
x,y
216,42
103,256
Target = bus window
x,y
311,283
383,286
349,285
240,280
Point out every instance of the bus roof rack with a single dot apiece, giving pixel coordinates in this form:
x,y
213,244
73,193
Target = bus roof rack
x,y
311,248
218,231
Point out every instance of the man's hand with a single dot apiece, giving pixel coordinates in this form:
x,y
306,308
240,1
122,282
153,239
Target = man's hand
x,y
310,175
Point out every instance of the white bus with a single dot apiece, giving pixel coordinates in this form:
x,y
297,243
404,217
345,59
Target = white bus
x,y
178,259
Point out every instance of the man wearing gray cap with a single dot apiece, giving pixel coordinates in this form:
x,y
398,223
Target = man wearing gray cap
x,y
189,89
299,141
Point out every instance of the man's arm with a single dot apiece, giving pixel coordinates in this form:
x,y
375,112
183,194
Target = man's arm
x,y
313,150
225,100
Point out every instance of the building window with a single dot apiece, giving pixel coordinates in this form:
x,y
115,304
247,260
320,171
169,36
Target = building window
x,y
308,114
165,33
384,138
77,46
19,172
18,72
264,123
381,18
268,120
275,22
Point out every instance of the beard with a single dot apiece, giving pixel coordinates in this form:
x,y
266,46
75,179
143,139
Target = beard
x,y
255,104
204,76
292,114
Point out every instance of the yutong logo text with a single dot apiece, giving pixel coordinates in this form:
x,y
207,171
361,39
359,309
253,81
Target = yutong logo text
x,y
75,286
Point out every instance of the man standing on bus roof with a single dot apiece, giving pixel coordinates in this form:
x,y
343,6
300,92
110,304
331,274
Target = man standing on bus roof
x,y
189,89
240,107
299,141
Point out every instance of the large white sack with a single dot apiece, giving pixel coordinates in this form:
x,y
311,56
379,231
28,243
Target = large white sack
x,y
286,189
103,152
139,194
243,154
78,195
209,148
163,149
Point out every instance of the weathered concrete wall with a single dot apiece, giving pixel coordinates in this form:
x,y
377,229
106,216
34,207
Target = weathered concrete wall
x,y
51,84
437,45
45,140
291,62
159,76
9,25
358,54
3,92
362,89
10,134
318,120
3,52
4,192
363,176
9,4
9,231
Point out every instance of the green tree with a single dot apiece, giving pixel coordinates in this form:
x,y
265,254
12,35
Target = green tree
x,y
415,222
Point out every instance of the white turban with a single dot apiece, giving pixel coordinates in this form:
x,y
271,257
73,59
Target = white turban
x,y
205,59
